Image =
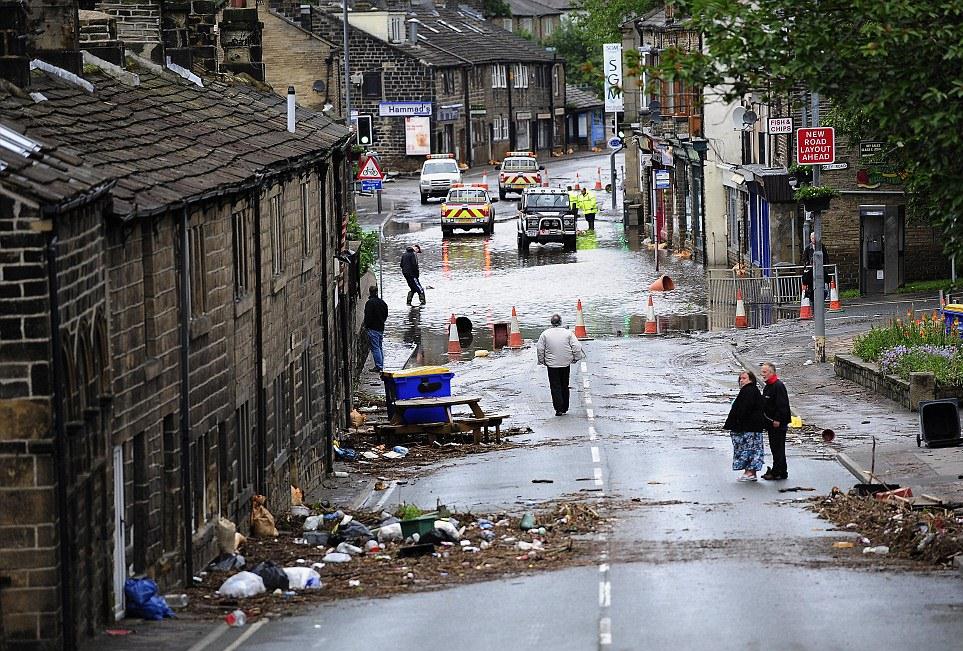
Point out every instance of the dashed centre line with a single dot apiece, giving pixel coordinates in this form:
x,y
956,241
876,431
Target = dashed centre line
x,y
598,476
595,454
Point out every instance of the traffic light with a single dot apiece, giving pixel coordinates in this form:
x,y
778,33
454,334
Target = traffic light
x,y
365,133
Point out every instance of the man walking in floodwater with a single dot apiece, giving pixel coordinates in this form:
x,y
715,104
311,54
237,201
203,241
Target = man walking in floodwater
x,y
775,401
558,349
409,268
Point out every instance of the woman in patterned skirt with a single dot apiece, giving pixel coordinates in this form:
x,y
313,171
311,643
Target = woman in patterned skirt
x,y
747,422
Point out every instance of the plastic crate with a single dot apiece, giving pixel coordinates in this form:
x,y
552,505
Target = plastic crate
x,y
420,382
939,423
420,525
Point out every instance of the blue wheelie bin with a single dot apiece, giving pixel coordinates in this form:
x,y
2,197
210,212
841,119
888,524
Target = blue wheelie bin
x,y
418,382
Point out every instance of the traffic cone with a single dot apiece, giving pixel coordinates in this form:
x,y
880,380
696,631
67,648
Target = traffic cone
x,y
741,320
484,182
578,182
580,331
651,327
515,335
834,305
598,179
454,346
805,308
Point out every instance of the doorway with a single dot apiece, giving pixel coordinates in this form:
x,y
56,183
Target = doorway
x,y
120,548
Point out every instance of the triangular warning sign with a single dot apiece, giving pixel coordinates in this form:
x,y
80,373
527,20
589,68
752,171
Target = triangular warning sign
x,y
370,171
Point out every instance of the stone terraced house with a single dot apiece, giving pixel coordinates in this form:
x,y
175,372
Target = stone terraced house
x,y
440,78
176,317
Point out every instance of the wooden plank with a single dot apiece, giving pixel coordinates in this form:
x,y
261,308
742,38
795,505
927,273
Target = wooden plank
x,y
439,401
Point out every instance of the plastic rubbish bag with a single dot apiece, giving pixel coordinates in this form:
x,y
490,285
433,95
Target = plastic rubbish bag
x,y
301,578
390,533
273,575
312,523
300,511
316,538
336,557
354,530
348,548
242,584
226,563
357,418
262,522
297,496
143,600
445,525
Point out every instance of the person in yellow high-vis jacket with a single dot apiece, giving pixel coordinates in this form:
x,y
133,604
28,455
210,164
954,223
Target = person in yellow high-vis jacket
x,y
572,200
588,206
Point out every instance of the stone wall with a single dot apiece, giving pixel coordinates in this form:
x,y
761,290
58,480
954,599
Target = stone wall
x,y
906,393
138,24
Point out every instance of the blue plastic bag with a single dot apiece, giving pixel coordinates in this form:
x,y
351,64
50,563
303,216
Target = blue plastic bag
x,y
143,600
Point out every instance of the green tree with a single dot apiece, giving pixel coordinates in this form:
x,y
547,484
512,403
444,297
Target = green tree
x,y
892,69
582,59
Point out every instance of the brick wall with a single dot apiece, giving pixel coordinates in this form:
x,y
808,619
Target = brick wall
x,y
96,27
188,33
240,41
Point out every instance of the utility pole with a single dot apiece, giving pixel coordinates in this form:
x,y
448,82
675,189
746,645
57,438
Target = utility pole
x,y
819,299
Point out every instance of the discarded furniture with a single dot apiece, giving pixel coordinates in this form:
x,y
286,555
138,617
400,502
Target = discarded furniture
x,y
479,423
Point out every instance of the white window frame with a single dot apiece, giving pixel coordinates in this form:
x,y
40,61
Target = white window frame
x,y
499,76
520,75
508,25
396,29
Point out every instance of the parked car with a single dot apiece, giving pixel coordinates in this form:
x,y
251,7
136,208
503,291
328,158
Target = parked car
x,y
467,206
544,216
518,171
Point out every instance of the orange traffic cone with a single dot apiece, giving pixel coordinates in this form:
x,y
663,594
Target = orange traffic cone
x,y
454,346
805,307
578,182
598,179
651,327
484,182
741,320
515,335
580,331
834,305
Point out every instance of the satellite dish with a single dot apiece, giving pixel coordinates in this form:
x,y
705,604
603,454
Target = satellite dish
x,y
738,115
318,86
749,118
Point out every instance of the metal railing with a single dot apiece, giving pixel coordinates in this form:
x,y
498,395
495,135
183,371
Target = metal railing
x,y
780,285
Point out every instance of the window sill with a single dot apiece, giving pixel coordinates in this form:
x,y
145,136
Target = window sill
x,y
243,305
307,264
200,326
278,282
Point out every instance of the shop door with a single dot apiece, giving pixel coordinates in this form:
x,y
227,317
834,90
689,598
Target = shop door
x,y
872,255
759,245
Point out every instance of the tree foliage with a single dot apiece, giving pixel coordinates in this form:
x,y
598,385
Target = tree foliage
x,y
582,59
892,69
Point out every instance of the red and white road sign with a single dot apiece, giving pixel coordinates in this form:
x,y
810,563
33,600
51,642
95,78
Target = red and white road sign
x,y
370,170
815,146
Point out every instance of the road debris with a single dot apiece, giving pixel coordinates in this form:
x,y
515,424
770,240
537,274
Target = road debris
x,y
796,489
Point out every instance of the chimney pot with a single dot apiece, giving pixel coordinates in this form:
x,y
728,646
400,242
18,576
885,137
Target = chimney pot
x,y
291,97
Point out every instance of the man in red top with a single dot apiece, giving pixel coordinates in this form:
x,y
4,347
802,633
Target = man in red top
x,y
775,401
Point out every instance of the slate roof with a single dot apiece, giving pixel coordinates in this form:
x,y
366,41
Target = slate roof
x,y
581,100
53,177
167,141
532,8
561,5
454,37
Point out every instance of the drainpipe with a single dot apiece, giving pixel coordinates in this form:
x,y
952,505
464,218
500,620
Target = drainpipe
x,y
260,481
511,113
325,316
291,106
185,402
60,445
469,153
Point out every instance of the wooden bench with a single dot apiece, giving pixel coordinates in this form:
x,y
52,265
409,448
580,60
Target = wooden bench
x,y
478,423
479,426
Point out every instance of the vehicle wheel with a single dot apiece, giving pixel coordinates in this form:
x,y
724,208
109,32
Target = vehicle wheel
x,y
570,243
446,232
918,442
424,199
490,228
523,244
501,194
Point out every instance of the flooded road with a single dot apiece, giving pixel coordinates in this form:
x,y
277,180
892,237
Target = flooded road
x,y
482,277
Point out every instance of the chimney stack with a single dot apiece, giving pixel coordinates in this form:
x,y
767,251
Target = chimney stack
x,y
14,62
240,32
291,107
413,31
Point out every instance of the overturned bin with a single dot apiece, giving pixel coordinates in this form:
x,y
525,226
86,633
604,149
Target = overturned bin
x,y
418,382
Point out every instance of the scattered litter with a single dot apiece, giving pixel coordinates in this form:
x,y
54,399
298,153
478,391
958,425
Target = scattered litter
x,y
370,454
262,522
380,486
416,550
796,489
880,549
353,583
336,557
340,474
143,600
840,544
225,563
302,578
242,584
300,511
312,523
390,532
272,574
118,632
653,482
348,548
236,618
527,522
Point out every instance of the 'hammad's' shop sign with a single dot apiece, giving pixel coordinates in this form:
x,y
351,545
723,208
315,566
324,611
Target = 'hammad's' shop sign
x,y
403,109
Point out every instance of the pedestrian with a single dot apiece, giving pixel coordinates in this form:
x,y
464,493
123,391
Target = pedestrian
x,y
558,349
747,422
807,283
375,315
409,268
572,200
589,205
809,253
775,400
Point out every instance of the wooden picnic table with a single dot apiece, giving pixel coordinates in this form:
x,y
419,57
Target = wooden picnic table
x,y
478,423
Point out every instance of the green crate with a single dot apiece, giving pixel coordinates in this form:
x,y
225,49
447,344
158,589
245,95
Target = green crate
x,y
420,525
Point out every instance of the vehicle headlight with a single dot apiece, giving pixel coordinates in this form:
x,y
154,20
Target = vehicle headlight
x,y
424,183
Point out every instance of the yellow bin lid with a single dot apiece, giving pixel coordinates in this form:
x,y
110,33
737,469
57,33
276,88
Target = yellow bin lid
x,y
418,370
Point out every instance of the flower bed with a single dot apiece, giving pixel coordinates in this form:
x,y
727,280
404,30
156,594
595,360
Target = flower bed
x,y
914,346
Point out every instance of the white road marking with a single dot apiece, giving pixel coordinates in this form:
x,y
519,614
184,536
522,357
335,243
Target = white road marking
x,y
598,476
584,367
604,567
384,498
248,633
588,400
585,383
221,629
592,433
595,454
590,413
605,594
605,631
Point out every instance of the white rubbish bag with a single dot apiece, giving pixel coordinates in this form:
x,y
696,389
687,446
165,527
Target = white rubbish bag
x,y
242,584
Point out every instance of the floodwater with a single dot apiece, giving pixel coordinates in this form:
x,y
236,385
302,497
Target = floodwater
x,y
481,278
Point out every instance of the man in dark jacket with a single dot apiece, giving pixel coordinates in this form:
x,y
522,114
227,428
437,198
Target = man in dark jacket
x,y
409,268
775,400
375,315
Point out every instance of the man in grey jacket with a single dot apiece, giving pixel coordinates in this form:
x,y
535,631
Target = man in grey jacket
x,y
558,349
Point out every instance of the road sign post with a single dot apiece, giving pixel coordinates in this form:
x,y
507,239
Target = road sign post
x,y
815,146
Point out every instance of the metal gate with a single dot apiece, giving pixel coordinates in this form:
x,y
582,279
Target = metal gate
x,y
779,285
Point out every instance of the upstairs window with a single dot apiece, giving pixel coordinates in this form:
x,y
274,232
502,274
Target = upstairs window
x,y
499,76
520,75
277,235
371,84
396,29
